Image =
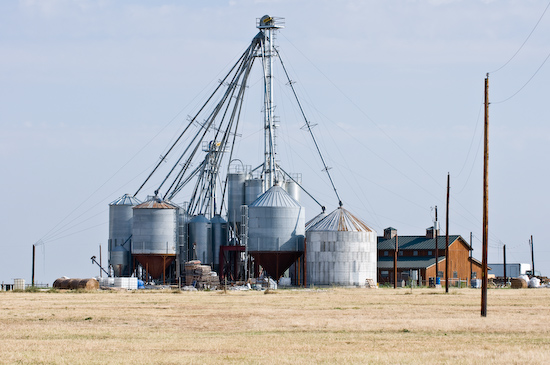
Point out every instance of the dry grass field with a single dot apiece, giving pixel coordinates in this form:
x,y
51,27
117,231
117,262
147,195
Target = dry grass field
x,y
383,326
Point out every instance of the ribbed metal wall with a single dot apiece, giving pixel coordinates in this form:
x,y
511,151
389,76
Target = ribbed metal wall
x,y
120,231
276,222
293,190
253,189
200,236
236,195
120,220
183,247
219,237
154,229
341,250
120,261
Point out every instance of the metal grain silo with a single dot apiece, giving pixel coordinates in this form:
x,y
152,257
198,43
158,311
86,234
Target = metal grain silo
x,y
235,197
253,188
120,233
219,237
276,229
154,238
341,250
200,239
293,189
120,261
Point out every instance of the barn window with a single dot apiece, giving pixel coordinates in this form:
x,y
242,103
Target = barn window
x,y
386,253
415,253
430,253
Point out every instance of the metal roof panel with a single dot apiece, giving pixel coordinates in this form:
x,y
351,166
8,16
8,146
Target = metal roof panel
x,y
340,220
126,199
275,197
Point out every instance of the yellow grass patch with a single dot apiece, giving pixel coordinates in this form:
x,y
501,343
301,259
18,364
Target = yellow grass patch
x,y
295,326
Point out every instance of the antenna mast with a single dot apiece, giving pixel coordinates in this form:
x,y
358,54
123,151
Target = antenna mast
x,y
268,26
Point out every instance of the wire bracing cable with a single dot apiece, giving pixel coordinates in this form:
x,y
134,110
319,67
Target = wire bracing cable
x,y
310,130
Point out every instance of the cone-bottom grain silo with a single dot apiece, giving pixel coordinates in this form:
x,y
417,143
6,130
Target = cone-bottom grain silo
x,y
154,238
276,227
341,250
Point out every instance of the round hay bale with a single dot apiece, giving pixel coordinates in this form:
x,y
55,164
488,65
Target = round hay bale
x,y
518,283
88,284
73,283
61,283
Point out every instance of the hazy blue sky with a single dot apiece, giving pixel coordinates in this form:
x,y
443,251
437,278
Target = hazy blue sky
x,y
92,92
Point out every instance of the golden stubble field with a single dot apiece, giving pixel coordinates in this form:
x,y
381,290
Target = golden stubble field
x,y
378,326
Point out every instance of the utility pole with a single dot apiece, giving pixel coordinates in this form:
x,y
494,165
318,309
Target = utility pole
x,y
504,257
100,262
485,202
33,261
447,259
532,257
436,229
471,265
395,263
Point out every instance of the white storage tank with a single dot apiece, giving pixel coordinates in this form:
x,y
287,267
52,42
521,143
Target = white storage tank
x,y
18,284
341,250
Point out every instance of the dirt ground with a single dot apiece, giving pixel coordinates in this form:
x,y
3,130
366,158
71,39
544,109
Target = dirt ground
x,y
378,326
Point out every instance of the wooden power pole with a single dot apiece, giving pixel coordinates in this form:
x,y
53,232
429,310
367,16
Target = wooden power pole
x,y
485,283
532,257
33,261
395,263
504,257
436,229
447,259
471,261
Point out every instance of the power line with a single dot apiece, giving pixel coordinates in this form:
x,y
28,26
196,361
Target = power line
x,y
528,81
525,41
368,117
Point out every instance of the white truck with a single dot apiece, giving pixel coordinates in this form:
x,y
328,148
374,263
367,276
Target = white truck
x,y
512,270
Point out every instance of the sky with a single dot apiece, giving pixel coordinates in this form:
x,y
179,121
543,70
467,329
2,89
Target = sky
x,y
93,92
